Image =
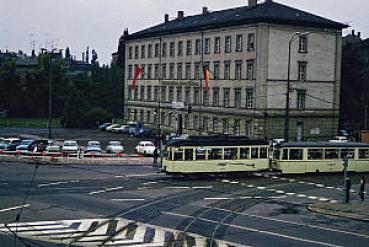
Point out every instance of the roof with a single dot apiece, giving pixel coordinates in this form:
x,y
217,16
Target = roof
x,y
219,140
324,144
268,12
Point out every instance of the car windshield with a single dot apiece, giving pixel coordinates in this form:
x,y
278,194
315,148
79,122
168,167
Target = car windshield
x,y
94,143
115,143
26,142
149,145
5,142
70,144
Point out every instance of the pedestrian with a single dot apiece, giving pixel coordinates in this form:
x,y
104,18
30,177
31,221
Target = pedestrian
x,y
362,188
156,155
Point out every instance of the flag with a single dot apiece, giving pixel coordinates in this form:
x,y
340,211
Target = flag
x,y
137,73
206,78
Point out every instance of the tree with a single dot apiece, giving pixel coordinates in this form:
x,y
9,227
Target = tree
x,y
67,53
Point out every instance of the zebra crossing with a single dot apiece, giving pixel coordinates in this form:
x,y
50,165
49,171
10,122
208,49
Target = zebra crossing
x,y
108,232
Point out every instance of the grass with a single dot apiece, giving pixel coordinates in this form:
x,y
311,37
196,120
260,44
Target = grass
x,y
29,122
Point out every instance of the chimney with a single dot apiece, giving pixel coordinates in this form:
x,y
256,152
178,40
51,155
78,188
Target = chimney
x,y
166,18
353,32
252,3
359,34
180,15
205,10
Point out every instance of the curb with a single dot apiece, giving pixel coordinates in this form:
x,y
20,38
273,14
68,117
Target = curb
x,y
338,214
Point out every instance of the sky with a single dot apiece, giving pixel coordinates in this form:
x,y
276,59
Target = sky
x,y
27,24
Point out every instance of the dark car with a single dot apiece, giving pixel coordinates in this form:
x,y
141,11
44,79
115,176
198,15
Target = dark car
x,y
26,145
39,145
10,144
103,126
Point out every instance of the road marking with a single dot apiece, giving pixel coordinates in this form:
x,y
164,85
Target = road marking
x,y
250,186
202,187
280,191
261,188
234,182
313,197
256,230
329,187
226,181
301,195
178,187
14,208
150,183
320,185
127,199
322,199
290,193
57,183
218,198
119,176
106,190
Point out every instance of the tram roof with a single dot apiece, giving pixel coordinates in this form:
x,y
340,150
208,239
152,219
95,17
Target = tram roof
x,y
221,140
324,144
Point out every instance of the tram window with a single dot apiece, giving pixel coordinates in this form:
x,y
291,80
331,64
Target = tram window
x,y
363,153
276,154
188,154
169,154
331,153
263,153
349,153
178,155
254,153
200,153
285,154
230,153
215,154
295,154
315,154
245,153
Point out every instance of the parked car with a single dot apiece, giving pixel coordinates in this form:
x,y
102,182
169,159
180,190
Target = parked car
x,y
26,145
53,147
124,129
145,148
39,145
110,127
93,147
70,146
339,139
114,147
103,126
10,144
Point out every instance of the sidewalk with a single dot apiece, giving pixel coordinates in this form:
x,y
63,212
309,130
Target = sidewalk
x,y
356,210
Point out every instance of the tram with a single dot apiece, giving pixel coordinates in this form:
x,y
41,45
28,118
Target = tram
x,y
215,154
320,157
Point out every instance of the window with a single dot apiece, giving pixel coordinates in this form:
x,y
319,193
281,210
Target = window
x,y
142,93
205,124
250,70
301,99
363,153
248,128
171,71
162,118
163,94
156,52
129,93
179,71
236,127
207,46
129,73
215,154
171,94
149,71
239,42
205,98
143,71
163,71
215,125
186,121
302,71
230,153
285,154
171,49
196,95
195,122
249,98
149,51
188,95
217,45
251,42
180,48
227,70
216,70
315,154
216,97
148,117
135,94
198,46
226,98
237,98
188,47
156,94
228,44
188,154
149,93
156,71
142,116
244,153
188,71
197,71
296,154
349,153
264,153
164,50
238,70
130,52
136,52
225,126
143,52
179,94
254,153
156,116
331,154
303,44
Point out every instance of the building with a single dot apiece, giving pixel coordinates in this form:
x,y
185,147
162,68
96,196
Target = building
x,y
246,52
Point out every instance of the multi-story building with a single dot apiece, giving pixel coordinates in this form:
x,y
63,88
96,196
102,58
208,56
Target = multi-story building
x,y
246,51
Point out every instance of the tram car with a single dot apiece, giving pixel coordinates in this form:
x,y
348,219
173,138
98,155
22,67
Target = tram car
x,y
320,157
215,154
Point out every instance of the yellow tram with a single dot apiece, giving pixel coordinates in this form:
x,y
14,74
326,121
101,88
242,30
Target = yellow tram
x,y
316,157
216,154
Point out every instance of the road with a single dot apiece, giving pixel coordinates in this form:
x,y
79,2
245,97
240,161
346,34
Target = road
x,y
138,206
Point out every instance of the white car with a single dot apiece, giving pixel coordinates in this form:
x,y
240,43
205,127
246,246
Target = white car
x,y
339,139
114,147
53,147
145,148
93,147
70,147
124,129
110,127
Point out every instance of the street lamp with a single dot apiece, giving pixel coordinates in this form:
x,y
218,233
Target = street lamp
x,y
287,108
50,93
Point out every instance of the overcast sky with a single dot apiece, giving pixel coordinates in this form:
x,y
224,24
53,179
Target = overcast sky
x,y
99,23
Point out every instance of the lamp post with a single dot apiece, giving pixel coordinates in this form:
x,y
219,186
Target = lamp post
x,y
287,107
50,93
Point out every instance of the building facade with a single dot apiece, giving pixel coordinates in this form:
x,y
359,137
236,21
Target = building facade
x,y
246,51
